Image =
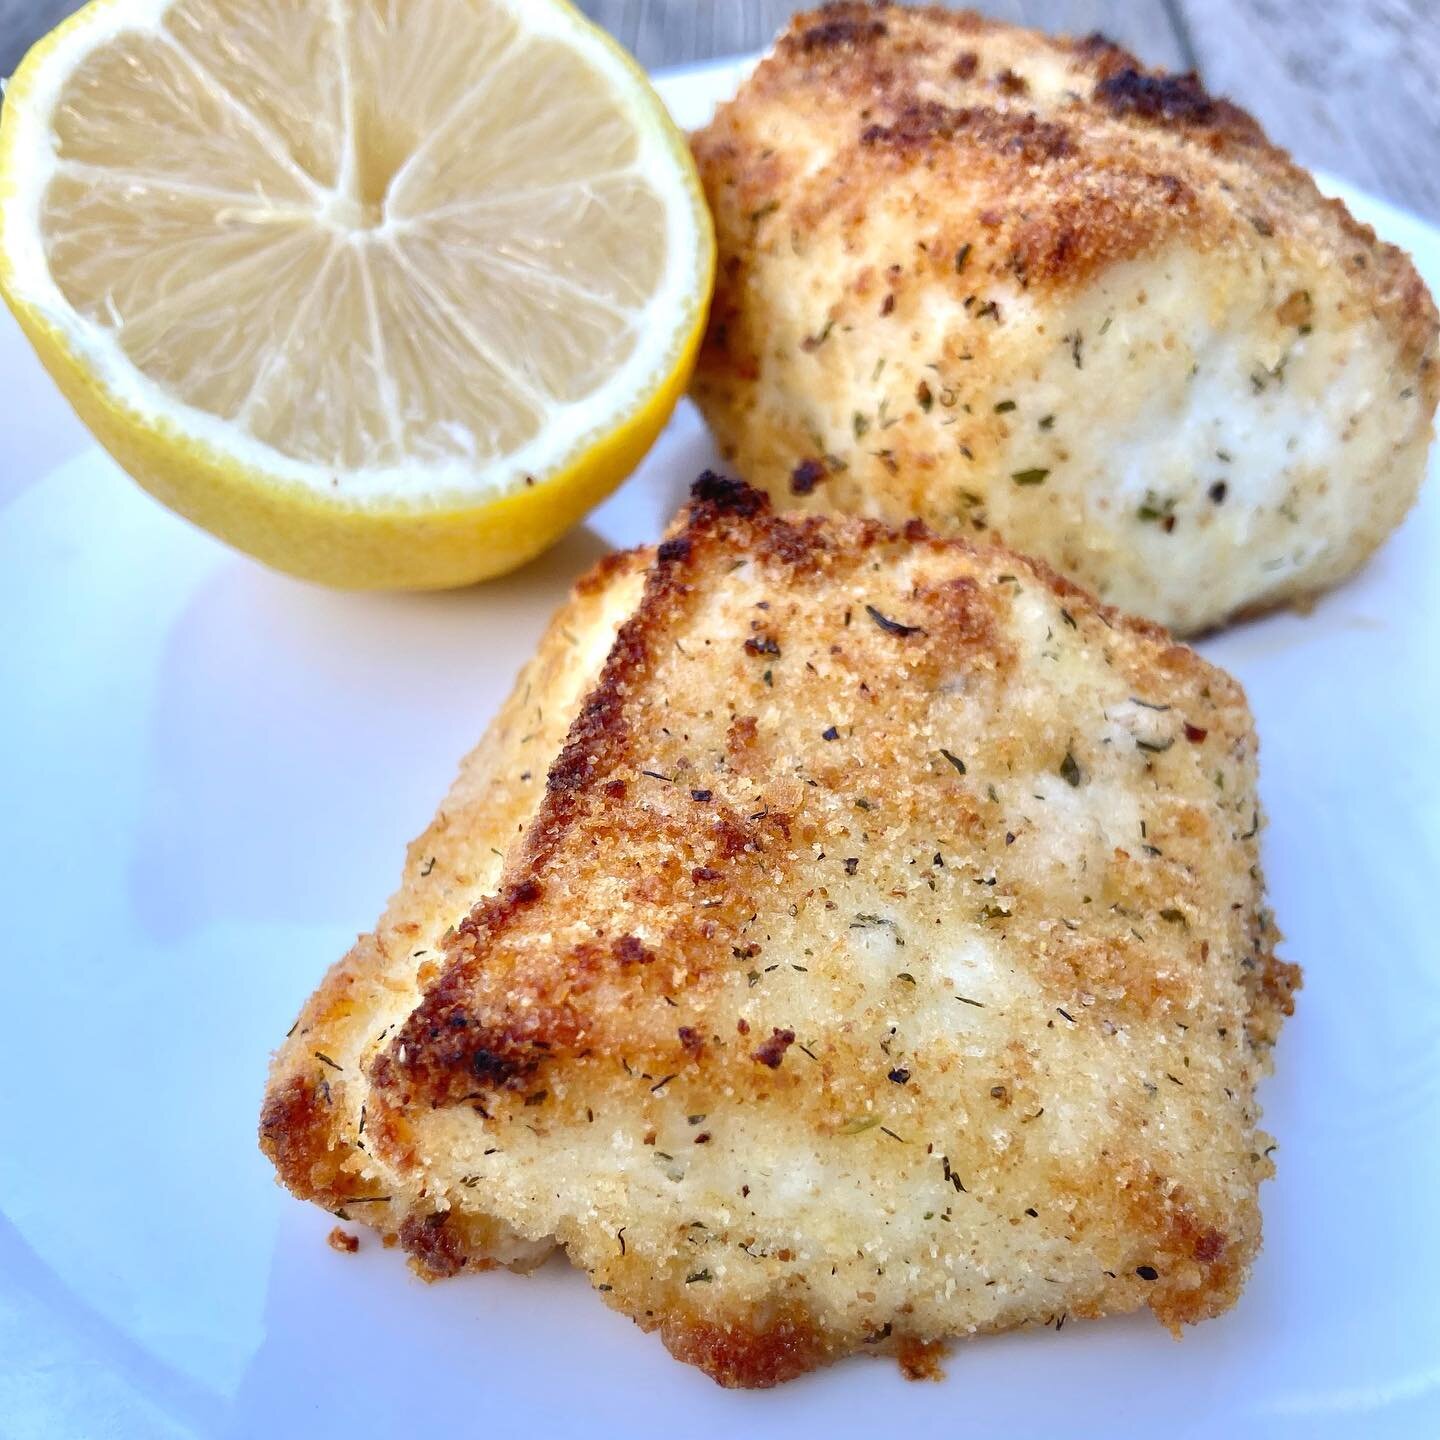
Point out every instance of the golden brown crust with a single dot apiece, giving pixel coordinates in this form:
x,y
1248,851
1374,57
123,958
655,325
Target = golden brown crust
x,y
753,1354
887,858
942,237
1053,191
447,1053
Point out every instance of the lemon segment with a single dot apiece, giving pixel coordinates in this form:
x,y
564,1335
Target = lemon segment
x,y
387,293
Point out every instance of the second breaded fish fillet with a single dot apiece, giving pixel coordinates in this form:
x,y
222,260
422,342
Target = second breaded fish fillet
x,y
885,960
1025,287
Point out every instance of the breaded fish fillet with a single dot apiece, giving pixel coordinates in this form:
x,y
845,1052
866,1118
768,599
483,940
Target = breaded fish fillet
x,y
1025,287
885,959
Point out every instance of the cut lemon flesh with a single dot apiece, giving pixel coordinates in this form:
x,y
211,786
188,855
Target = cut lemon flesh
x,y
387,292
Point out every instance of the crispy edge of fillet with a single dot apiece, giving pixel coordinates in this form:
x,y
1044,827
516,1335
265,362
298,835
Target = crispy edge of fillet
x,y
313,1125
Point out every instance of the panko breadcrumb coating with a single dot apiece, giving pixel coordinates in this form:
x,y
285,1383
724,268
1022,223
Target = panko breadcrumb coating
x,y
882,959
1027,288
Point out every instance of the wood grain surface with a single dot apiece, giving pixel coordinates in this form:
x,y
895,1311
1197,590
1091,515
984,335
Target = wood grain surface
x,y
1347,85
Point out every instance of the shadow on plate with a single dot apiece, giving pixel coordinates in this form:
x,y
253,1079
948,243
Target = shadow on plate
x,y
302,736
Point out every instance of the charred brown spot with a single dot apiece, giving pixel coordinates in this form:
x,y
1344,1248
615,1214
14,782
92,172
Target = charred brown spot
x,y
841,31
1179,98
1103,53
691,1041
723,495
445,1052
806,476
631,950
967,62
437,1249
772,1051
705,874
493,1067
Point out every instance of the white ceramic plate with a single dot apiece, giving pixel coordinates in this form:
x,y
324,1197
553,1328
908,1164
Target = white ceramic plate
x,y
209,775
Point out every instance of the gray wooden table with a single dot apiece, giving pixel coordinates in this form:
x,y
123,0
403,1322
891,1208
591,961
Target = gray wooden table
x,y
1352,86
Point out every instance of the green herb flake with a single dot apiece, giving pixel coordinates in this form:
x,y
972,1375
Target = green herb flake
x,y
865,921
1070,770
814,342
892,627
1033,476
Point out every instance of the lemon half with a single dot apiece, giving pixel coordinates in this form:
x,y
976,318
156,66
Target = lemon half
x,y
387,293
